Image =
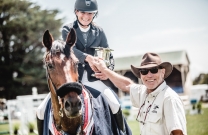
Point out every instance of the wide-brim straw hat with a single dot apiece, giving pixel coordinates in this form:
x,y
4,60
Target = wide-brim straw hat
x,y
150,60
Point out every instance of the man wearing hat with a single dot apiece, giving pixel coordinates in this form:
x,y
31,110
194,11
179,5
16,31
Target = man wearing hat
x,y
160,109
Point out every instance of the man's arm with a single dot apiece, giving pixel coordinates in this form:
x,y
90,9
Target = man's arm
x,y
119,81
176,132
175,115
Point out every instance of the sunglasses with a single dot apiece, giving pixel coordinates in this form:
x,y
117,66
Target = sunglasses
x,y
153,70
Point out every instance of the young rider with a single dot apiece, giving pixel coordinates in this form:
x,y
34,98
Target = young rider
x,y
89,35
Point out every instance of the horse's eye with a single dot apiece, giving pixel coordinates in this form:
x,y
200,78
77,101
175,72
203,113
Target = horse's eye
x,y
50,65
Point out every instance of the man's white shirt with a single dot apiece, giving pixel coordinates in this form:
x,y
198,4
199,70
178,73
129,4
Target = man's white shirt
x,y
162,112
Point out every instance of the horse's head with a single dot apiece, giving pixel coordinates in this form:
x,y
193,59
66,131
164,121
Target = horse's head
x,y
61,66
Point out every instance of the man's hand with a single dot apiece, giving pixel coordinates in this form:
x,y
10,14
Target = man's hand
x,y
101,76
177,132
100,64
121,82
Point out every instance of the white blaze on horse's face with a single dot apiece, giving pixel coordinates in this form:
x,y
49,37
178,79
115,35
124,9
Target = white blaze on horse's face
x,y
63,71
67,69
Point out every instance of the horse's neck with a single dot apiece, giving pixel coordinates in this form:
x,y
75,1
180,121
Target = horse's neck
x,y
55,103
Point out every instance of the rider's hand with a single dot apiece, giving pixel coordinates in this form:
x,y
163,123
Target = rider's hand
x,y
90,59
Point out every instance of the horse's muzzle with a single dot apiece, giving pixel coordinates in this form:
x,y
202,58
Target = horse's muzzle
x,y
73,108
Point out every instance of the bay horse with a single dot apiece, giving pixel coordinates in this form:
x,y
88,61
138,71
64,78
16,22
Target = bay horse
x,y
75,109
62,77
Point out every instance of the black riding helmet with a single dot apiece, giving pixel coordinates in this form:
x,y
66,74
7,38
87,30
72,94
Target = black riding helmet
x,y
86,6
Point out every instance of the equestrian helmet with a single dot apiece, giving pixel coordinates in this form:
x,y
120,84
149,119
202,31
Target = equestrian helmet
x,y
86,5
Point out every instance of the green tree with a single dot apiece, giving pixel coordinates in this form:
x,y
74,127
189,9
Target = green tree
x,y
22,24
201,79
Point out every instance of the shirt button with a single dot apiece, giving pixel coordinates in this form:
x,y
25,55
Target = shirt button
x,y
83,65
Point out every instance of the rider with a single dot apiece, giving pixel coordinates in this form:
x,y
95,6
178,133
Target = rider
x,y
89,35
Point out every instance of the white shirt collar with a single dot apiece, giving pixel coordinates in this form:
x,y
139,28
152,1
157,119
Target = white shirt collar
x,y
82,29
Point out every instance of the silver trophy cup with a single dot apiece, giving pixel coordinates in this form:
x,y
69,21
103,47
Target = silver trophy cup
x,y
103,53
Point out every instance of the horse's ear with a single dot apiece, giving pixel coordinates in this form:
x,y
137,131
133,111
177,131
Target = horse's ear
x,y
47,40
71,37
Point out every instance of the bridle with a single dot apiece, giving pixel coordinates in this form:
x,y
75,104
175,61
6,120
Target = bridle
x,y
86,99
61,114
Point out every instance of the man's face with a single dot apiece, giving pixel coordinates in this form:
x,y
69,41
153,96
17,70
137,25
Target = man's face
x,y
84,18
153,80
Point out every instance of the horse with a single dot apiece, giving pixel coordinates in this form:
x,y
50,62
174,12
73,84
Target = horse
x,y
76,110
62,77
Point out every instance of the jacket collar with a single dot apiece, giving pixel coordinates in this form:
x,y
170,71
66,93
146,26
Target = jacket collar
x,y
91,36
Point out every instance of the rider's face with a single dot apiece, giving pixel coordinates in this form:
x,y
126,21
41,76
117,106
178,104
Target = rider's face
x,y
84,18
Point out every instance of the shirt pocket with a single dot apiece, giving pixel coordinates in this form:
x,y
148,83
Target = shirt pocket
x,y
154,118
155,123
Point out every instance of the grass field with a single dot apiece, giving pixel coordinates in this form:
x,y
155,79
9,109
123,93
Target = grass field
x,y
196,125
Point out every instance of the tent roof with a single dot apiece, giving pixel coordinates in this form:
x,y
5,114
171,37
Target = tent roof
x,y
175,57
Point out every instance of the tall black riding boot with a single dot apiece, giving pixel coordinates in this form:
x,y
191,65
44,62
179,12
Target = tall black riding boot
x,y
40,126
120,120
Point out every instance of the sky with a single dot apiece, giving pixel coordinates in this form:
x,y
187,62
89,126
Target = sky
x,y
134,27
